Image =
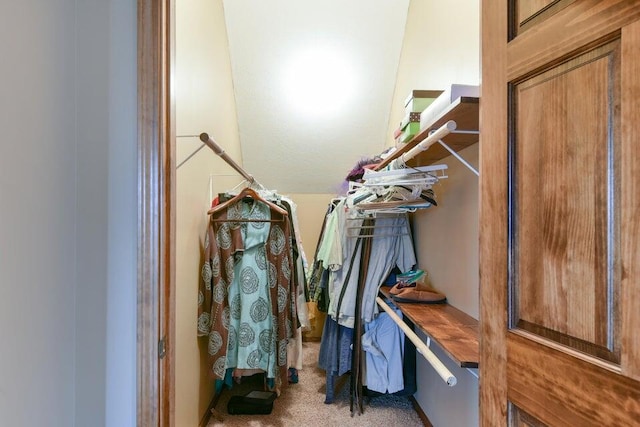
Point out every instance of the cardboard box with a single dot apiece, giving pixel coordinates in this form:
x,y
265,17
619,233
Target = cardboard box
x,y
409,131
418,100
409,118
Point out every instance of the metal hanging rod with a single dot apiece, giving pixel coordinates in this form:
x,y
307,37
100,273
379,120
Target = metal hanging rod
x,y
209,142
421,347
436,136
423,145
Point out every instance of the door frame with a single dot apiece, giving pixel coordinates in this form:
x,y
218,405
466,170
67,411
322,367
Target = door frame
x,y
155,365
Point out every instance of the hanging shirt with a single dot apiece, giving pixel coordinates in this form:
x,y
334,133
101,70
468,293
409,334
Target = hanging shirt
x,y
383,343
392,246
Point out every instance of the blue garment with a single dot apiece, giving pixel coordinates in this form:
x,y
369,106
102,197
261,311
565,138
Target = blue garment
x,y
335,353
383,342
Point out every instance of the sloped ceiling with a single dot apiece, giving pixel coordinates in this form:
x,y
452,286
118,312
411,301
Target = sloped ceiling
x,y
313,82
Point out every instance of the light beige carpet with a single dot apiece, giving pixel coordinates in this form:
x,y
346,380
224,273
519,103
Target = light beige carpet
x,y
302,404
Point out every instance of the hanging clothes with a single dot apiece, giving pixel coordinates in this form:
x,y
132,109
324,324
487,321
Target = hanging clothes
x,y
246,303
339,253
294,349
294,352
351,286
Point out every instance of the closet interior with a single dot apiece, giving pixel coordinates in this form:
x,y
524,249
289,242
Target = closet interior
x,y
414,209
347,268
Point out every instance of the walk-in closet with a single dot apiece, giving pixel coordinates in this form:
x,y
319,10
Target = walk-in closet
x,y
295,96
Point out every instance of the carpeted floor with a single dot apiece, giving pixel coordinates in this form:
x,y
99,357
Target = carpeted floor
x,y
302,404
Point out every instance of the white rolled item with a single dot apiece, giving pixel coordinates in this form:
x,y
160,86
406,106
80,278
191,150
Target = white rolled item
x,y
423,145
421,347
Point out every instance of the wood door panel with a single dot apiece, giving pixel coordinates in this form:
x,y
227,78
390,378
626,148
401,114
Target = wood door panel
x,y
630,201
528,13
564,171
528,8
570,31
492,210
559,342
520,418
562,390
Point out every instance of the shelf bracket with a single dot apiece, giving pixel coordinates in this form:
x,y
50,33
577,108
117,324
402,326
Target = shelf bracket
x,y
457,156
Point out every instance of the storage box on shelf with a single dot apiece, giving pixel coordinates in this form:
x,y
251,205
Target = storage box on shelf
x,y
414,104
409,126
418,100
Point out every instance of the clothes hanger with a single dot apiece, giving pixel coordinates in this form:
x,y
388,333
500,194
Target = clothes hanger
x,y
247,192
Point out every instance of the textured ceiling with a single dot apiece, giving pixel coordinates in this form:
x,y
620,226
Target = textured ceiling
x,y
313,82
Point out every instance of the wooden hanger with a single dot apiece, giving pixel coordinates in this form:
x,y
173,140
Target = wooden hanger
x,y
248,192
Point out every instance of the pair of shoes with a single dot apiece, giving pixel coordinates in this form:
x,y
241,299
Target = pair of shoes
x,y
420,296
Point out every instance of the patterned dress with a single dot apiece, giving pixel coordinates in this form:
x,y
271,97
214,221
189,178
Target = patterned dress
x,y
245,303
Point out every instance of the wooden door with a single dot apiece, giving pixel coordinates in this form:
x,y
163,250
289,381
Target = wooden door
x,y
560,213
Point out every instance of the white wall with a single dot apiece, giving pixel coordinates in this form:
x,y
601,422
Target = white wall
x,y
446,240
441,47
37,217
313,82
204,103
92,209
120,405
68,215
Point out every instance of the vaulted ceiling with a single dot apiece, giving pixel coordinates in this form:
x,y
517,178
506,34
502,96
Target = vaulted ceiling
x,y
313,84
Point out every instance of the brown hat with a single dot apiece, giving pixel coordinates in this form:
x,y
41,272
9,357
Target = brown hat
x,y
420,296
400,287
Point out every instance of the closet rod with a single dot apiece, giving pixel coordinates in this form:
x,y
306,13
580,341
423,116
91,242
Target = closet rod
x,y
443,131
421,347
204,137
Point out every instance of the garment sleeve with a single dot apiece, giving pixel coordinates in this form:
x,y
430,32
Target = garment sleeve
x,y
206,280
406,254
330,251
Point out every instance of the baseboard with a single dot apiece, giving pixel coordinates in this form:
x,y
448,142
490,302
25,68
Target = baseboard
x,y
209,412
421,414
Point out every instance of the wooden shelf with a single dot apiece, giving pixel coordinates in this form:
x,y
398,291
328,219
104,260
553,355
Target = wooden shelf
x,y
465,112
453,330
